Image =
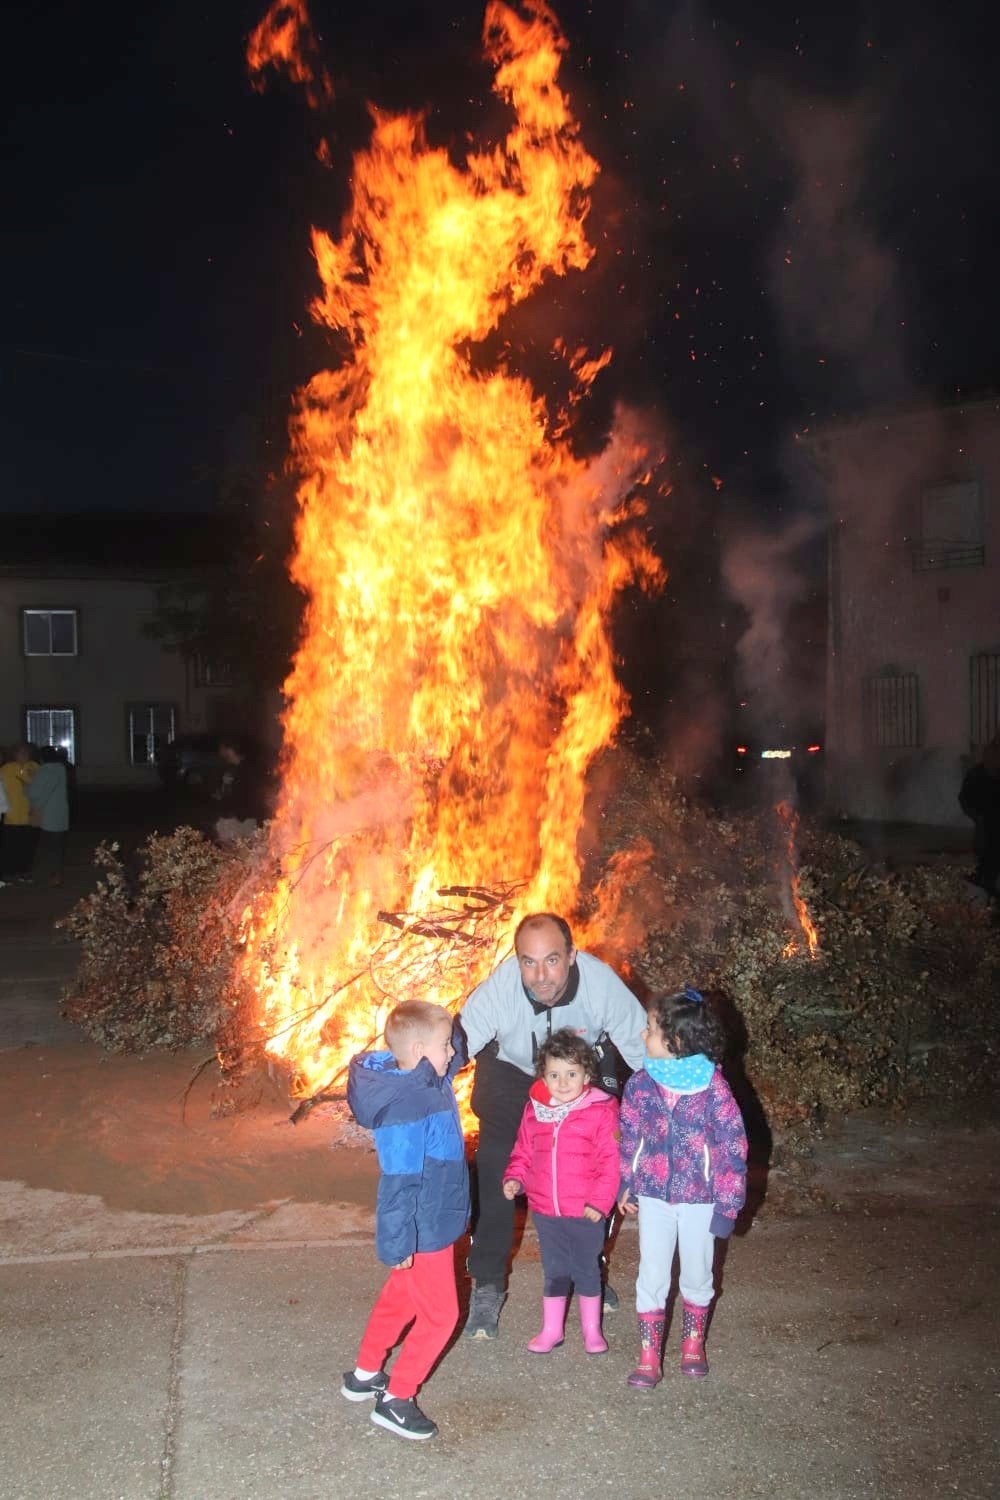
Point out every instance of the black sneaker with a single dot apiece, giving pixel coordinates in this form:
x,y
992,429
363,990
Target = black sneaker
x,y
363,1390
610,1298
484,1311
402,1417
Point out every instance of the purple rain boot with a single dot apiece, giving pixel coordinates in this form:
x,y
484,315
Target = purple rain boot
x,y
553,1322
648,1372
693,1361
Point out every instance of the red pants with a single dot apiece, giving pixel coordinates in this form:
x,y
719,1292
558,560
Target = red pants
x,y
425,1296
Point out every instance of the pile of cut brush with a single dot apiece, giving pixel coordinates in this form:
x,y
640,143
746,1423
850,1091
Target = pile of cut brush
x,y
900,1002
898,1005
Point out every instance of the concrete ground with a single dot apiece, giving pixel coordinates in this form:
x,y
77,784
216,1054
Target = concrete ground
x,y
180,1293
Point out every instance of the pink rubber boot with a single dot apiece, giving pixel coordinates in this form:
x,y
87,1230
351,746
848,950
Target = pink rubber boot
x,y
553,1323
693,1361
649,1372
590,1324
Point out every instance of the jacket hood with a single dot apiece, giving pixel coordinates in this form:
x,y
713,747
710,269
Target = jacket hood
x,y
380,1092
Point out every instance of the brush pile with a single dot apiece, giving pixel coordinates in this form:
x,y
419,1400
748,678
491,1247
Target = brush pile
x,y
899,1005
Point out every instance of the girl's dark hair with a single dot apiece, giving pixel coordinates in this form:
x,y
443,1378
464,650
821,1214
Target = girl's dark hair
x,y
566,1046
689,1026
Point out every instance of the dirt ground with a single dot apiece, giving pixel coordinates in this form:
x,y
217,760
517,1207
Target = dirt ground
x,y
146,1135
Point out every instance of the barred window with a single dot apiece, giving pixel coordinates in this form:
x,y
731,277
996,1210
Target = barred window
x,y
984,698
52,726
151,728
951,527
891,704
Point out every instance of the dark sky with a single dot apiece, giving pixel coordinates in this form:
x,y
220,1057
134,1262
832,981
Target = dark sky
x,y
791,222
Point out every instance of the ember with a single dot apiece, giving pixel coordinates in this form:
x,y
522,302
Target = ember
x,y
455,678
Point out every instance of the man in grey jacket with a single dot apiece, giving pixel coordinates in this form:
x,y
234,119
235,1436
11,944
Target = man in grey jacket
x,y
546,984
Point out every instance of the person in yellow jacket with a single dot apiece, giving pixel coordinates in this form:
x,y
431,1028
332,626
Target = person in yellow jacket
x,y
19,836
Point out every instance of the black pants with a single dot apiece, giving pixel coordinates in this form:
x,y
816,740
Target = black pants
x,y
571,1254
19,840
499,1094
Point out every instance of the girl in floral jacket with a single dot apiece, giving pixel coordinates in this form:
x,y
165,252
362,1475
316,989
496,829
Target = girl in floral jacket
x,y
683,1166
566,1159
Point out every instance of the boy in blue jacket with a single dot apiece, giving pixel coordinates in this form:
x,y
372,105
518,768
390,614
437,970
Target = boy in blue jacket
x,y
405,1097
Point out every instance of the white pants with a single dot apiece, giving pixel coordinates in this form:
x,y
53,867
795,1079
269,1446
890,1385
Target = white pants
x,y
662,1227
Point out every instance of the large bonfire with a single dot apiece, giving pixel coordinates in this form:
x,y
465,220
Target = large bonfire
x,y
455,683
455,679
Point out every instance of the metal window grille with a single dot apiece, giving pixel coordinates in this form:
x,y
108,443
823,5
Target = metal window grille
x,y
52,726
50,632
951,527
151,727
984,698
891,703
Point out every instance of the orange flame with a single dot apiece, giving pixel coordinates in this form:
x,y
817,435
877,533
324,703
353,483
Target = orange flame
x,y
786,812
456,675
284,40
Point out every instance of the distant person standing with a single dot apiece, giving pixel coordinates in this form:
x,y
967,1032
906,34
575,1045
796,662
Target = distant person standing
x,y
20,837
48,794
244,794
979,799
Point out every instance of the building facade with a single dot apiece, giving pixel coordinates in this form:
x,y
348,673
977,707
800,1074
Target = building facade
x,y
913,648
78,671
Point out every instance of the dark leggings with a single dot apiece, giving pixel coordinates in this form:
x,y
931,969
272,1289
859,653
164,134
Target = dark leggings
x,y
571,1254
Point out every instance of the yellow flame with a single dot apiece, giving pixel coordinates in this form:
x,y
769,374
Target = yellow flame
x,y
456,676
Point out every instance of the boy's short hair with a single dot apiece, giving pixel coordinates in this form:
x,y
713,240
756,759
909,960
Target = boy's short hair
x,y
412,1020
566,1046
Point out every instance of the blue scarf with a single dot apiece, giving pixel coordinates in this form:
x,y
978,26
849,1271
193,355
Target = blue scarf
x,y
682,1075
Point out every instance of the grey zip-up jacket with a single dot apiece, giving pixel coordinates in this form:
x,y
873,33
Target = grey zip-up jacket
x,y
501,1010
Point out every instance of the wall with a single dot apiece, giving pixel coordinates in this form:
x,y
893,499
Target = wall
x,y
883,612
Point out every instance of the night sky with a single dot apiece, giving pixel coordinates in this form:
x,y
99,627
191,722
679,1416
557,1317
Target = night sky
x,y
791,222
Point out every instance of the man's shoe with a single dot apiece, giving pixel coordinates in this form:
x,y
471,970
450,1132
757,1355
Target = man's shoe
x,y
484,1311
402,1417
610,1298
363,1390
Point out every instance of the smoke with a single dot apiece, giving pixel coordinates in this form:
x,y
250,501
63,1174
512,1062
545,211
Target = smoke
x,y
767,572
834,283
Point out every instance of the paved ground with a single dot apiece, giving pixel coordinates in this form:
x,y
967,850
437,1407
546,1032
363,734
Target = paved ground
x,y
180,1293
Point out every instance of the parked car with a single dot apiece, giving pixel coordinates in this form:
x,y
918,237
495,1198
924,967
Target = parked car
x,y
763,766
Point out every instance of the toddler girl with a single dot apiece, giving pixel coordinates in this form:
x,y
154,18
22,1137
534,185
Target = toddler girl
x,y
683,1158
566,1159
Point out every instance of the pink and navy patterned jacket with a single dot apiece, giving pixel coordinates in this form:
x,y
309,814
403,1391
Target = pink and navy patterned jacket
x,y
684,1148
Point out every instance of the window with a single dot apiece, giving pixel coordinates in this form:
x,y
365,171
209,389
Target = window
x,y
49,632
52,726
984,698
210,671
891,705
151,727
951,527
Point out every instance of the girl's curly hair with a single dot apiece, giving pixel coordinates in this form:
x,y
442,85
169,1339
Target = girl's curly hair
x,y
566,1046
689,1025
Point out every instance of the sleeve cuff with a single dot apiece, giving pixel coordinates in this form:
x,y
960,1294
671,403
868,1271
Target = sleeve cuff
x,y
721,1227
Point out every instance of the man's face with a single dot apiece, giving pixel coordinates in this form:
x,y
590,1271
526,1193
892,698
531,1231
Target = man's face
x,y
545,962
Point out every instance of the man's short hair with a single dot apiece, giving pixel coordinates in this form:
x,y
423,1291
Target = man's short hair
x,y
413,1020
539,919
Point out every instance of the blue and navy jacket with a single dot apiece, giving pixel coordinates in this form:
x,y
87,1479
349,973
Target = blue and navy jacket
x,y
423,1193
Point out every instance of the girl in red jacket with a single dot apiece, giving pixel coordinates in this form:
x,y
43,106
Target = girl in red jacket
x,y
565,1159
